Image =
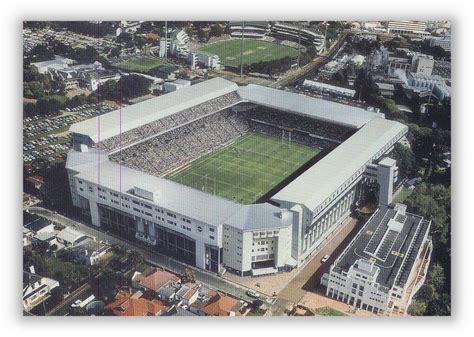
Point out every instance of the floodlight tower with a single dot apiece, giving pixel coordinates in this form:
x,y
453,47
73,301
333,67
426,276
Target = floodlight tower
x,y
166,40
242,51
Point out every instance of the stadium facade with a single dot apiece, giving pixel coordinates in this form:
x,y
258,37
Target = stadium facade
x,y
119,161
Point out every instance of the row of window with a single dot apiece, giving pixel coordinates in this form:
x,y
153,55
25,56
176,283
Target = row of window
x,y
149,207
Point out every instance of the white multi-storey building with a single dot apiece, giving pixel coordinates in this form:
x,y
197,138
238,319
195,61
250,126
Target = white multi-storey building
x,y
407,27
206,60
384,265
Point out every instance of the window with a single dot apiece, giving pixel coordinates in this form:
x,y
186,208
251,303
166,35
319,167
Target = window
x,y
211,237
199,229
211,229
91,189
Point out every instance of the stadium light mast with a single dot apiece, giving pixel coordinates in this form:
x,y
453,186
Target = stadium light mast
x,y
299,43
242,52
166,40
325,35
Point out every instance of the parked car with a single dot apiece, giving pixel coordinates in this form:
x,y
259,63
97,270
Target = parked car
x,y
325,258
252,293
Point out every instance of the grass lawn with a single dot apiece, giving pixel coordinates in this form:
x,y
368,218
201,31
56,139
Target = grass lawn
x,y
402,195
140,64
246,169
327,311
254,51
60,98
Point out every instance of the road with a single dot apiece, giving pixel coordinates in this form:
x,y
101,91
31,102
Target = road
x,y
309,276
310,69
62,308
153,257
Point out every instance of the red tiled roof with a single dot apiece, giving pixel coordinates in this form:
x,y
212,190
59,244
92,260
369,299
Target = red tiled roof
x,y
220,305
154,279
152,36
128,304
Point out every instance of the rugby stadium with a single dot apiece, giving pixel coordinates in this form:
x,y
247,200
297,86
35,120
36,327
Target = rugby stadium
x,y
248,180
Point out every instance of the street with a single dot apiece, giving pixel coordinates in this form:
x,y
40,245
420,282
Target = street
x,y
152,256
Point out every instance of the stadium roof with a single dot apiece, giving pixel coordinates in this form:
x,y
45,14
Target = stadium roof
x,y
258,216
326,111
133,116
168,194
387,246
321,180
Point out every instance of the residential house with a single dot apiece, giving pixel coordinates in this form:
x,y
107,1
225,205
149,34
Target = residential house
x,y
36,289
216,304
129,303
90,251
159,282
70,237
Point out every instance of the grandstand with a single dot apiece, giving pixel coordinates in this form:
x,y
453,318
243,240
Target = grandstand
x,y
292,32
249,29
170,171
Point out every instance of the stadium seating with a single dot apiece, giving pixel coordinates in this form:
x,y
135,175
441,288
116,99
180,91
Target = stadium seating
x,y
169,122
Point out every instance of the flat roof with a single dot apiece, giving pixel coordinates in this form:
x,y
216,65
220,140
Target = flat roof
x,y
317,108
173,196
136,115
397,259
321,180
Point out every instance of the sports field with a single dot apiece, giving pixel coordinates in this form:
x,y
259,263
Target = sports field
x,y
246,169
140,64
254,51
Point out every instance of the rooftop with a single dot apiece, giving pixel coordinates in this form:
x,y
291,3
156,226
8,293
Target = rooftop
x,y
133,116
326,111
127,303
332,171
391,240
154,278
70,235
259,216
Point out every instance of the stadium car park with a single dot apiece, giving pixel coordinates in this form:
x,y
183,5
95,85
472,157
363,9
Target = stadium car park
x,y
251,209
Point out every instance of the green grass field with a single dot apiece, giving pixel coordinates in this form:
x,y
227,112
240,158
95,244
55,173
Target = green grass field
x,y
140,64
327,311
254,51
245,169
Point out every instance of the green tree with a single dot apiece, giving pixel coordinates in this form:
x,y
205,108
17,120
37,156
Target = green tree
x,y
406,160
135,258
216,30
417,308
436,277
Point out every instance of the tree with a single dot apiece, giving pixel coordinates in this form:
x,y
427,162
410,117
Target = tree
x,y
203,35
107,283
127,87
436,277
189,276
440,306
216,30
366,88
406,160
40,247
417,308
135,258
